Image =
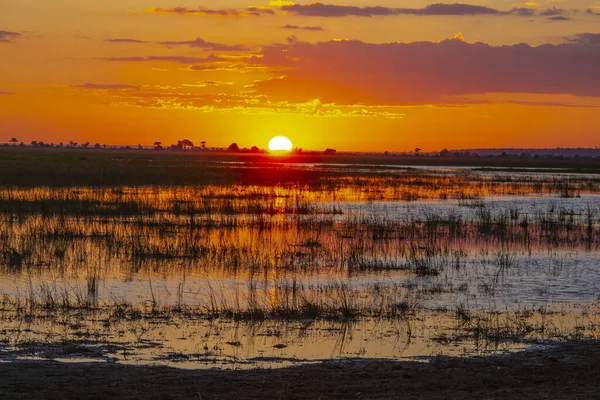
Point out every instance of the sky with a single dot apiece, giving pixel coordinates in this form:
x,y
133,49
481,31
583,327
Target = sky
x,y
354,75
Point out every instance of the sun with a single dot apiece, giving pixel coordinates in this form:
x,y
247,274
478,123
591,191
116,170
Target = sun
x,y
280,143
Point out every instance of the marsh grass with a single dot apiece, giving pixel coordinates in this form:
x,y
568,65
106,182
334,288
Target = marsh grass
x,y
287,250
281,300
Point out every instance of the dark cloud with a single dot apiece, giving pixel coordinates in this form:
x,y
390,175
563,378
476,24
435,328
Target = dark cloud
x,y
124,40
335,10
592,11
592,39
551,12
107,87
203,44
545,103
522,12
302,28
227,13
439,9
354,72
8,37
558,18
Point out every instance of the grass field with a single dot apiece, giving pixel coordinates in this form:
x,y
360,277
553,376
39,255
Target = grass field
x,y
73,167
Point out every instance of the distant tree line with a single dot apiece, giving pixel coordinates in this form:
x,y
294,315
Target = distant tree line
x,y
186,145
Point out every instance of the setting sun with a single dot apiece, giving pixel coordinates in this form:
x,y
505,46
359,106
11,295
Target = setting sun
x,y
280,143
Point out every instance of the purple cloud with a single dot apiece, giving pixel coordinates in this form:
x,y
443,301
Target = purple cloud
x,y
558,18
124,40
354,72
302,28
8,37
203,44
334,10
522,12
592,39
439,9
551,12
202,11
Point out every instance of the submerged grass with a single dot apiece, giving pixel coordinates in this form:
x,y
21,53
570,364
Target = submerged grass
x,y
283,244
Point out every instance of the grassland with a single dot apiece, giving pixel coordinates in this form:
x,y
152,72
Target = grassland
x,y
72,167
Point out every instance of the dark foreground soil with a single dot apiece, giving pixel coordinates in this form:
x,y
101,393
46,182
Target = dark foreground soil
x,y
569,371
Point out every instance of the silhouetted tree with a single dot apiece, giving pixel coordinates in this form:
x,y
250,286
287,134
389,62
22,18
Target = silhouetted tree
x,y
330,151
14,141
233,147
187,144
444,153
255,149
97,146
417,151
203,145
158,145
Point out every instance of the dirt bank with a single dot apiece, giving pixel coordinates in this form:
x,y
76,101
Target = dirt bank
x,y
569,371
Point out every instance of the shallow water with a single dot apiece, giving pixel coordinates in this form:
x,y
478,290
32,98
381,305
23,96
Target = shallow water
x,y
509,242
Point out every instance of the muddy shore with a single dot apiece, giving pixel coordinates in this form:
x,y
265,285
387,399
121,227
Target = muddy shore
x,y
571,370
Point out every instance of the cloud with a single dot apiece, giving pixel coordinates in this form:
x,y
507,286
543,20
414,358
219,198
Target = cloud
x,y
203,11
438,9
354,72
592,39
334,10
551,12
173,59
8,37
213,62
107,87
522,12
558,18
196,43
247,103
203,44
124,40
592,11
204,84
302,28
6,93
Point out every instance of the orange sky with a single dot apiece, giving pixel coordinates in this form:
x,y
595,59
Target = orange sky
x,y
352,75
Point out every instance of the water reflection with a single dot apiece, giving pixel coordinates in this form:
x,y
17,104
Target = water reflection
x,y
396,256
